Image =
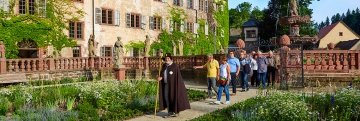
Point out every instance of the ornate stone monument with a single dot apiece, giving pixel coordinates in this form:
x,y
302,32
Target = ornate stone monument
x,y
174,47
294,20
181,45
91,46
119,68
147,46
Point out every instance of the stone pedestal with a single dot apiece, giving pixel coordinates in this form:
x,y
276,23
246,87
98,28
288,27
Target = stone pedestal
x,y
3,65
119,73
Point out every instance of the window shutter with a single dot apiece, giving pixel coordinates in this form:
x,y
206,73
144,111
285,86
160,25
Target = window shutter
x,y
131,51
102,51
195,4
182,26
143,20
163,23
151,23
196,28
175,2
4,4
182,3
128,20
117,18
41,8
98,15
206,6
171,26
113,51
222,8
185,27
206,30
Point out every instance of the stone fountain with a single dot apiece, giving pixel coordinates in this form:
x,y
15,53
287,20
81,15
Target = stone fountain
x,y
294,21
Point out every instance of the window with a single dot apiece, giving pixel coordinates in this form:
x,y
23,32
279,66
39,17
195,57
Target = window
x,y
201,5
76,30
27,3
155,23
340,33
107,16
250,34
158,0
106,51
177,2
190,27
134,20
79,1
190,4
76,51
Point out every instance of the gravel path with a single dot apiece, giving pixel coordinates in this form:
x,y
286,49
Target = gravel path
x,y
200,107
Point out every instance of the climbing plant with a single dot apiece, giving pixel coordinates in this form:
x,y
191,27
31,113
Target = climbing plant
x,y
135,45
45,27
194,44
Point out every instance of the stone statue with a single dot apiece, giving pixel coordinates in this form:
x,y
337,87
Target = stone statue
x,y
119,52
91,46
293,8
181,45
174,47
2,49
147,46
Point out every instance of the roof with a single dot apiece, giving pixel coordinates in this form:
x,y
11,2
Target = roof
x,y
347,45
324,31
252,22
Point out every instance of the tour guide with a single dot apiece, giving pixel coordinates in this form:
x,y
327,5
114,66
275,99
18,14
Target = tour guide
x,y
172,91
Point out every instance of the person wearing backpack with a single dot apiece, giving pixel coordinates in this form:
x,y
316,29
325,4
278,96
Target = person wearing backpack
x,y
244,71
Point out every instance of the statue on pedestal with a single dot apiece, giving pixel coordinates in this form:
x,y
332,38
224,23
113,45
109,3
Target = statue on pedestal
x,y
2,49
119,52
91,46
181,45
293,8
174,47
147,46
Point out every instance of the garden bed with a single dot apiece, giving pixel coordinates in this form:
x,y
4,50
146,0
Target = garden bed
x,y
343,105
108,100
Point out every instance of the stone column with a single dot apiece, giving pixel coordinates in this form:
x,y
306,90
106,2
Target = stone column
x,y
284,42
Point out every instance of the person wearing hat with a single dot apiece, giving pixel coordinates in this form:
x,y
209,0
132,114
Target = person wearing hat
x,y
172,91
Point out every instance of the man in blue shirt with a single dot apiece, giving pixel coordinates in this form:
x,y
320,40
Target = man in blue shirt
x,y
234,70
262,62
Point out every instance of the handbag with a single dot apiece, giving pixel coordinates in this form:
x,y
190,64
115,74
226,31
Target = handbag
x,y
222,81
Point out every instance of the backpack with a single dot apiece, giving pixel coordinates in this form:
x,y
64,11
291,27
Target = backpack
x,y
247,69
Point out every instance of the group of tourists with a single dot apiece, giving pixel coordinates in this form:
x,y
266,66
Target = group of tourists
x,y
255,66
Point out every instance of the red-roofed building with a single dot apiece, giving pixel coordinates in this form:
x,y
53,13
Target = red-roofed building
x,y
335,33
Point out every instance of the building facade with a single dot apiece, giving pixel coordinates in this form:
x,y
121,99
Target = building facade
x,y
335,33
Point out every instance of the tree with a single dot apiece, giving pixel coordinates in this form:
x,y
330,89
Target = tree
x,y
327,21
45,27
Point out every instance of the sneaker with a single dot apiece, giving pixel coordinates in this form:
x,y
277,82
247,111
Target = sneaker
x,y
217,102
247,89
227,102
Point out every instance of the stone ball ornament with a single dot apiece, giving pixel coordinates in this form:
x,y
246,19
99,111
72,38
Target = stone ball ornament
x,y
284,40
240,43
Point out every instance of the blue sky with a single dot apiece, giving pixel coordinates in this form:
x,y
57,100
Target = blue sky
x,y
321,8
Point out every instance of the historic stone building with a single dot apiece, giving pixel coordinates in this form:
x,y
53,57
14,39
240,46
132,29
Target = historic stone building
x,y
128,19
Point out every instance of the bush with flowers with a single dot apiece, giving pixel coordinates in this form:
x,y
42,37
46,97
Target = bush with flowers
x,y
274,105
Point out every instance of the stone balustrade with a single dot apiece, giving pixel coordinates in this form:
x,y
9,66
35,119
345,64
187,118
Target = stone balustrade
x,y
344,61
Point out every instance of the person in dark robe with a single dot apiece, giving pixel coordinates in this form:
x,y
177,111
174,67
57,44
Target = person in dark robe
x,y
172,91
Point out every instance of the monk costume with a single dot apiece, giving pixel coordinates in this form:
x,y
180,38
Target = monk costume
x,y
172,91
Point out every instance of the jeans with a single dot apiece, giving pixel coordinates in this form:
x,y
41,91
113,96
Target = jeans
x,y
254,79
271,70
244,81
233,81
211,82
226,89
263,81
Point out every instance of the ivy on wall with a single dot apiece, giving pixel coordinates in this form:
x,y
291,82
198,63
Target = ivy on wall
x,y
43,30
140,45
193,45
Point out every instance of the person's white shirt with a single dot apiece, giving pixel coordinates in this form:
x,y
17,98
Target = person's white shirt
x,y
254,65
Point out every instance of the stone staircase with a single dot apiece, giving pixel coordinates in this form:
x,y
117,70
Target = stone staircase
x,y
12,78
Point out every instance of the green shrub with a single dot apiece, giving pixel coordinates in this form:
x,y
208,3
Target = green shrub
x,y
46,114
4,105
196,95
87,111
66,80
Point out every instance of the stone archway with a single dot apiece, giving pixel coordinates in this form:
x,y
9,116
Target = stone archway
x,y
28,49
